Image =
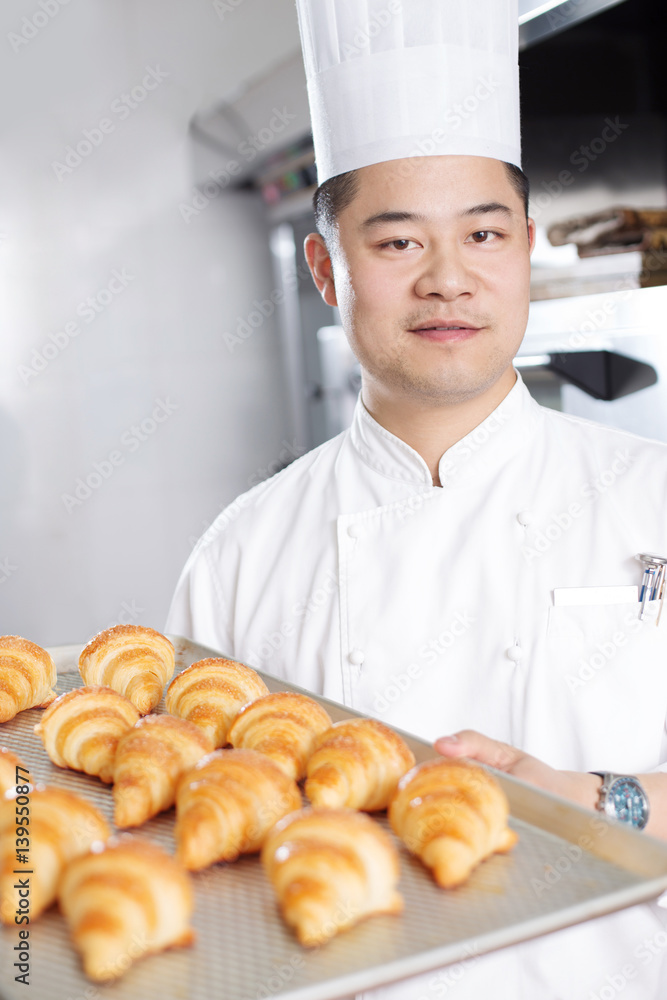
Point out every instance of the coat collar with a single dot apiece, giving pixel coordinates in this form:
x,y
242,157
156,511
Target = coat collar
x,y
487,447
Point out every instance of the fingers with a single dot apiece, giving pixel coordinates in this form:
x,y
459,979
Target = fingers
x,y
469,743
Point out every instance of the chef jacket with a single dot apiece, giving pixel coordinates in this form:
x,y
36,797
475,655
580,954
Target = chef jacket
x,y
442,608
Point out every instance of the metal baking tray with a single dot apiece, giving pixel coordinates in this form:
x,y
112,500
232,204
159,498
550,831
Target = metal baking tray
x,y
244,950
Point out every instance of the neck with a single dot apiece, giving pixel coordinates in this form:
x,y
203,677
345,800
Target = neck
x,y
432,429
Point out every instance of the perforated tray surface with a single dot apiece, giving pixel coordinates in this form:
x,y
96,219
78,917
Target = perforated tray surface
x,y
244,951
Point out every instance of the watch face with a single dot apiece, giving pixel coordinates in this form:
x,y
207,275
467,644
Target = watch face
x,y
627,802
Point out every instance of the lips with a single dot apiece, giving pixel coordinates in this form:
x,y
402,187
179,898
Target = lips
x,y
444,324
445,330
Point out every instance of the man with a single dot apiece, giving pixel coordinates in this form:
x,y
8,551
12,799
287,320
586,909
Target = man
x,y
407,567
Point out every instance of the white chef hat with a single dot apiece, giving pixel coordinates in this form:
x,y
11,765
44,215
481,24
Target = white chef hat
x,y
389,79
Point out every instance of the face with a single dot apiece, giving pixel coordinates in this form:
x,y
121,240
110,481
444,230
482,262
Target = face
x,y
431,276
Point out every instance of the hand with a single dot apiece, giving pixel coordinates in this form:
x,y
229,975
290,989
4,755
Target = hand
x,y
581,788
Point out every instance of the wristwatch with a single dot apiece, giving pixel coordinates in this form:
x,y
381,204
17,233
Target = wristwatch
x,y
623,798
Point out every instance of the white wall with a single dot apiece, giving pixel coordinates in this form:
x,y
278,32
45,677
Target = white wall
x,y
68,569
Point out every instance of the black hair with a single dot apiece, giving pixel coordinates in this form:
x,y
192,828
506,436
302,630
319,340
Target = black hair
x,y
336,194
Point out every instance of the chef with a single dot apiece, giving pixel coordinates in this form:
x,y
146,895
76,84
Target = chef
x,y
461,562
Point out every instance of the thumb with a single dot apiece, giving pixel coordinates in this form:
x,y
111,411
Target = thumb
x,y
469,743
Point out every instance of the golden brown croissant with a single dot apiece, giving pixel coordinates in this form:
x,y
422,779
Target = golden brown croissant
x,y
131,659
357,764
9,763
211,692
227,804
283,726
452,814
27,674
150,758
128,899
61,826
81,729
331,868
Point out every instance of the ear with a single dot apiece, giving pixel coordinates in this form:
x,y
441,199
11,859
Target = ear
x,y
321,267
532,230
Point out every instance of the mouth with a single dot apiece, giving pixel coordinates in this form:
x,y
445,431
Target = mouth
x,y
446,330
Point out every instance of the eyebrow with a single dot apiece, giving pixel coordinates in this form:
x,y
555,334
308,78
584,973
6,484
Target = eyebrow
x,y
487,208
384,218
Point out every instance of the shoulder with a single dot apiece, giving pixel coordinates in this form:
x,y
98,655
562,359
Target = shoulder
x,y
630,470
596,436
253,541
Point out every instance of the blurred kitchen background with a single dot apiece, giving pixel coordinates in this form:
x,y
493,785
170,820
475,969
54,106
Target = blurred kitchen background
x,y
163,347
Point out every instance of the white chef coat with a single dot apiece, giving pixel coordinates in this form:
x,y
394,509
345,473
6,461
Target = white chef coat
x,y
434,609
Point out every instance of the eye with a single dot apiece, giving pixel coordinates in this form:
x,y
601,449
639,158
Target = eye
x,y
401,244
484,236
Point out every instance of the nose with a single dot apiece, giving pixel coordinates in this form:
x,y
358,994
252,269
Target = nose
x,y
445,274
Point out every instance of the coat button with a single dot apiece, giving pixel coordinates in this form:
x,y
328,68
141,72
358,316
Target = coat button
x,y
524,517
514,653
357,657
355,530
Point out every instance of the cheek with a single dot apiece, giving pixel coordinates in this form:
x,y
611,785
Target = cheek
x,y
375,291
512,282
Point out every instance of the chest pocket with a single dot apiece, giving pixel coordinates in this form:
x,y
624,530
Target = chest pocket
x,y
608,671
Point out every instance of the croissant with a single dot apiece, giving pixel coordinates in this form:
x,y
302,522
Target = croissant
x,y
131,659
331,868
123,901
452,814
81,729
149,760
226,805
357,763
283,726
9,776
211,692
27,674
60,826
